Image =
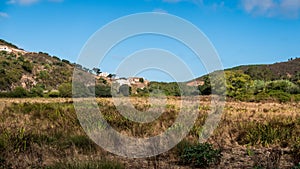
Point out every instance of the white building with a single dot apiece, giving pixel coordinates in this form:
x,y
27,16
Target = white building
x,y
5,48
103,74
123,81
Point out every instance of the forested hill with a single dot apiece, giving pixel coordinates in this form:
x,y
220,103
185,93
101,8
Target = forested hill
x,y
276,71
289,70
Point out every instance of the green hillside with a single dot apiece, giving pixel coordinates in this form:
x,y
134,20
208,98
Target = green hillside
x,y
29,74
30,70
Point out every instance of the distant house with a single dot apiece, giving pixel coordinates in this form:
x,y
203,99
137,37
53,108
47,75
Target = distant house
x,y
123,81
103,74
8,49
5,48
134,80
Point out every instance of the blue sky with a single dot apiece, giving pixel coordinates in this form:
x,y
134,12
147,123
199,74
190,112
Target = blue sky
x,y
242,31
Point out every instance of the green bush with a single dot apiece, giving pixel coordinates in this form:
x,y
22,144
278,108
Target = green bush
x,y
65,90
280,95
296,98
27,66
283,85
53,94
262,96
102,91
19,92
200,155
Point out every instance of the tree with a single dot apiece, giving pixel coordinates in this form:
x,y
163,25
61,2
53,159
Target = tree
x,y
97,71
111,75
205,89
237,83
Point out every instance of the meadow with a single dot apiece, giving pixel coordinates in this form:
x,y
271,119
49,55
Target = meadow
x,y
45,133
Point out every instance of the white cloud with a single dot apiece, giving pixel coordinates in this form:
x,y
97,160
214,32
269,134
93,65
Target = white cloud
x,y
29,2
272,8
3,15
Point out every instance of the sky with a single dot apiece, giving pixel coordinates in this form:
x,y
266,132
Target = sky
x,y
242,31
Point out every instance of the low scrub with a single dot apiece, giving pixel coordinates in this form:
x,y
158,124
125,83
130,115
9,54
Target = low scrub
x,y
200,155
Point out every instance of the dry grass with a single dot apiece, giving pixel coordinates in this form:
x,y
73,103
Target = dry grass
x,y
45,132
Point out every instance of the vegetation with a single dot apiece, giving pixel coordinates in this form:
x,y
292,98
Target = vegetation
x,y
51,131
200,155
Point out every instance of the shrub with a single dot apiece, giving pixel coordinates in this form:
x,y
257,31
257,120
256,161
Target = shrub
x,y
19,92
283,85
280,95
54,93
261,96
27,66
65,90
102,91
200,155
296,98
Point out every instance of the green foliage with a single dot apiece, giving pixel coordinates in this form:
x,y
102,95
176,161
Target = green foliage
x,y
53,93
283,85
65,61
142,92
19,92
36,91
259,73
169,89
258,86
205,89
3,42
297,166
65,90
102,91
237,83
262,96
27,66
280,95
44,75
296,98
200,155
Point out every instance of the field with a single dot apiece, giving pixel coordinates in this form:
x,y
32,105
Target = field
x,y
45,133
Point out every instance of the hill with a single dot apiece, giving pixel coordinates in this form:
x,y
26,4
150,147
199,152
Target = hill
x,y
30,74
276,71
289,70
29,69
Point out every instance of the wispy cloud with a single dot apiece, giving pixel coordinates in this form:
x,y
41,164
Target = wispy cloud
x,y
159,10
3,15
29,2
197,2
272,8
